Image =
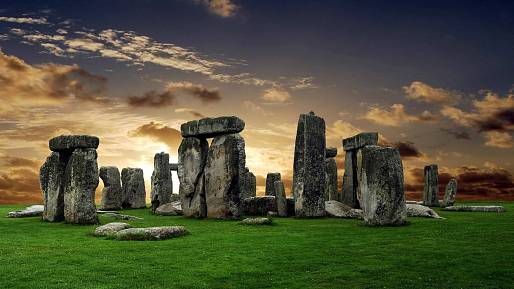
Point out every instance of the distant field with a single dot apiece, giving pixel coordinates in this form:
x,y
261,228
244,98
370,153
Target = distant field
x,y
467,250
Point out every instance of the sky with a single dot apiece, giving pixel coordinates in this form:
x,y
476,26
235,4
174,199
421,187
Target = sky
x,y
435,79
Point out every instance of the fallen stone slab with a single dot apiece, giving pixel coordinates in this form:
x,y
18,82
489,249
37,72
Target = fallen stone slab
x,y
415,210
110,229
32,211
211,127
151,233
414,202
71,142
105,212
361,140
495,209
256,221
339,210
169,209
118,216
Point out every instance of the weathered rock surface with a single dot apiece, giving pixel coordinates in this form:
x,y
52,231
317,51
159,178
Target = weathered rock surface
x,y
340,210
151,233
248,185
119,216
31,211
380,190
212,127
330,152
256,221
259,206
110,229
361,140
133,185
51,179
169,209
450,193
71,142
280,197
309,166
192,157
495,209
225,164
173,166
112,195
431,187
330,179
350,180
162,184
271,178
414,202
415,210
79,190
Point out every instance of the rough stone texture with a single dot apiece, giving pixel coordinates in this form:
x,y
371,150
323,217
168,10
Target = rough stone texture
x,y
248,185
212,127
256,221
330,152
174,167
414,202
133,185
110,229
51,179
169,209
271,178
330,179
280,197
415,210
151,233
495,209
309,166
192,157
340,210
31,211
349,196
71,142
112,196
79,190
225,164
162,184
259,206
431,186
361,140
119,216
380,189
449,193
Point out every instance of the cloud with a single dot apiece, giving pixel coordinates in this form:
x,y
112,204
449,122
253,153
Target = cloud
x,y
255,107
169,95
340,130
153,99
458,134
498,139
303,83
159,132
198,91
25,20
19,180
276,95
396,116
222,8
423,92
48,83
408,149
191,111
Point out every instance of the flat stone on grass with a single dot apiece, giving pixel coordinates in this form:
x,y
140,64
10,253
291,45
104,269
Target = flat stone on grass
x,y
495,209
256,221
415,210
110,229
32,211
151,233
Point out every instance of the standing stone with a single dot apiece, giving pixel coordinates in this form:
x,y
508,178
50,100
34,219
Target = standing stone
x,y
192,157
162,184
271,178
431,188
280,197
133,185
350,180
309,166
79,191
112,196
380,189
51,177
225,165
449,193
248,185
330,179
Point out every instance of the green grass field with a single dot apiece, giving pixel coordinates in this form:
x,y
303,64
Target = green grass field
x,y
467,250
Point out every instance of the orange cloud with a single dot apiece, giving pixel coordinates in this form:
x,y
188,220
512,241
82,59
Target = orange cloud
x,y
396,116
159,132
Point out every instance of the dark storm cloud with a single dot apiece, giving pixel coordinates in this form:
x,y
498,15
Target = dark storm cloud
x,y
456,133
153,99
407,149
502,120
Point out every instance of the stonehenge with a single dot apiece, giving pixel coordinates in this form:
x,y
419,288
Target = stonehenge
x,y
450,193
431,187
271,178
331,175
162,184
309,166
248,184
133,185
112,196
280,198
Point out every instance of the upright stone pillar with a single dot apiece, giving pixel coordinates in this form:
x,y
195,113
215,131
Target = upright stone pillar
x,y
271,178
52,185
162,184
351,146
450,193
280,198
431,188
331,175
248,185
192,157
133,185
112,195
380,186
309,166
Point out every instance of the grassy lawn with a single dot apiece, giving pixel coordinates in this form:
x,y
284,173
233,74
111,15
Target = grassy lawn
x,y
466,250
